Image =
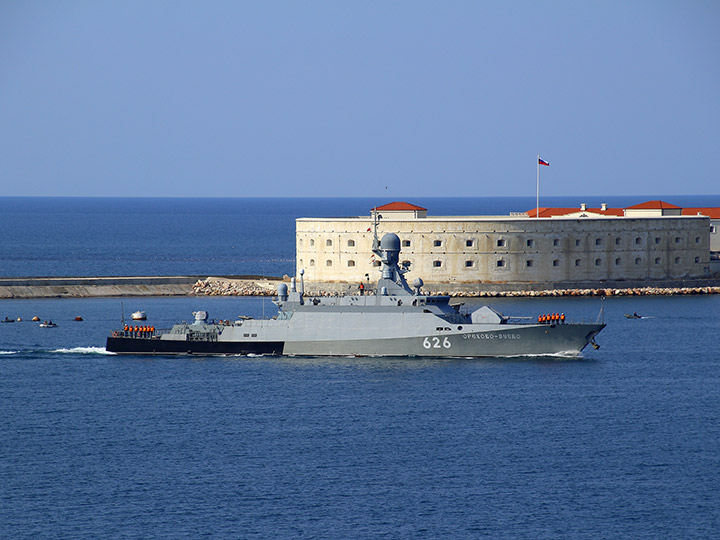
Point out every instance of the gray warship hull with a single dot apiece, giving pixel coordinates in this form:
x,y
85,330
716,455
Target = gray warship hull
x,y
334,333
394,320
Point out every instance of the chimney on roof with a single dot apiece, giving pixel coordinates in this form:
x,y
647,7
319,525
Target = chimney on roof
x,y
603,206
583,207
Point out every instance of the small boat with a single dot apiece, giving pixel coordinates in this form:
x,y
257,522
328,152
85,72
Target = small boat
x,y
35,318
139,316
636,316
6,319
78,319
48,324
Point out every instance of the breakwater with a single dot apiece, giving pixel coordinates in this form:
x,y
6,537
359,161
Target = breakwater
x,y
228,287
139,286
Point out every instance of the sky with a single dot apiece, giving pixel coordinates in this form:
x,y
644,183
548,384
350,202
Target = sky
x,y
365,98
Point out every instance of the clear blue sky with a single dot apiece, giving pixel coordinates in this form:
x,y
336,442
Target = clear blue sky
x,y
363,98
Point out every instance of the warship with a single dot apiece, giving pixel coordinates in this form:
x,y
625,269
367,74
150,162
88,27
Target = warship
x,y
393,320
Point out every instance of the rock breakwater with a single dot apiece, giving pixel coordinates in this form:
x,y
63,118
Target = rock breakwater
x,y
225,287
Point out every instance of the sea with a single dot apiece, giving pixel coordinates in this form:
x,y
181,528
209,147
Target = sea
x,y
619,442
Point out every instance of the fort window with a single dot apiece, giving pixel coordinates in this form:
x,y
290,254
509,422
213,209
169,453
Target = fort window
x,y
501,242
376,263
677,260
657,260
598,262
437,264
312,262
351,243
657,240
300,263
351,263
312,242
697,239
697,259
328,263
618,261
437,243
556,262
638,260
529,263
677,239
577,242
405,264
328,242
500,263
469,264
617,241
578,262
469,243
530,242
598,241
638,240
406,243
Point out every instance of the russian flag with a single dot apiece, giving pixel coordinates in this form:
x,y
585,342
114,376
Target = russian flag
x,y
541,161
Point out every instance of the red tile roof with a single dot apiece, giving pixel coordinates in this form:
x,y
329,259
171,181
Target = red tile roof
x,y
653,205
711,212
400,206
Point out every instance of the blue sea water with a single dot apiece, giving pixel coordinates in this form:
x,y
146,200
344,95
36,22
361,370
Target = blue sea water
x,y
619,443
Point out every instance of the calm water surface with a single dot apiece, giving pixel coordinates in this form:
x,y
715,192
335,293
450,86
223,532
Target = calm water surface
x,y
620,443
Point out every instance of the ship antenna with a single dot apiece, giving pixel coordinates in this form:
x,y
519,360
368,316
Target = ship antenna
x,y
376,241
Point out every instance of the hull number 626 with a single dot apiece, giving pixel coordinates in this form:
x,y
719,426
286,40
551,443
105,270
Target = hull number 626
x,y
435,343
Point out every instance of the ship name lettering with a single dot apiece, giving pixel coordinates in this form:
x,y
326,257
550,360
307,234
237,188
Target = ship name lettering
x,y
491,336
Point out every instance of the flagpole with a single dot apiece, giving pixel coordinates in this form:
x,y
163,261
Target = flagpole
x,y
537,194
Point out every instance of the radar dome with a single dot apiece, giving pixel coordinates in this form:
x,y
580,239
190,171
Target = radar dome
x,y
418,282
390,242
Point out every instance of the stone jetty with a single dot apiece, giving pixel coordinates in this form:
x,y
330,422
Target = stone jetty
x,y
225,287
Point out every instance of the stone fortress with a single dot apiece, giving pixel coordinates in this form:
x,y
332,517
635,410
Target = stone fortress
x,y
649,243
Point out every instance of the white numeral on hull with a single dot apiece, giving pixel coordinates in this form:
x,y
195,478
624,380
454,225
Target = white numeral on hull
x,y
435,343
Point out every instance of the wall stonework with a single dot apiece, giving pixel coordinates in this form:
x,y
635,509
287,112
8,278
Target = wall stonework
x,y
497,249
